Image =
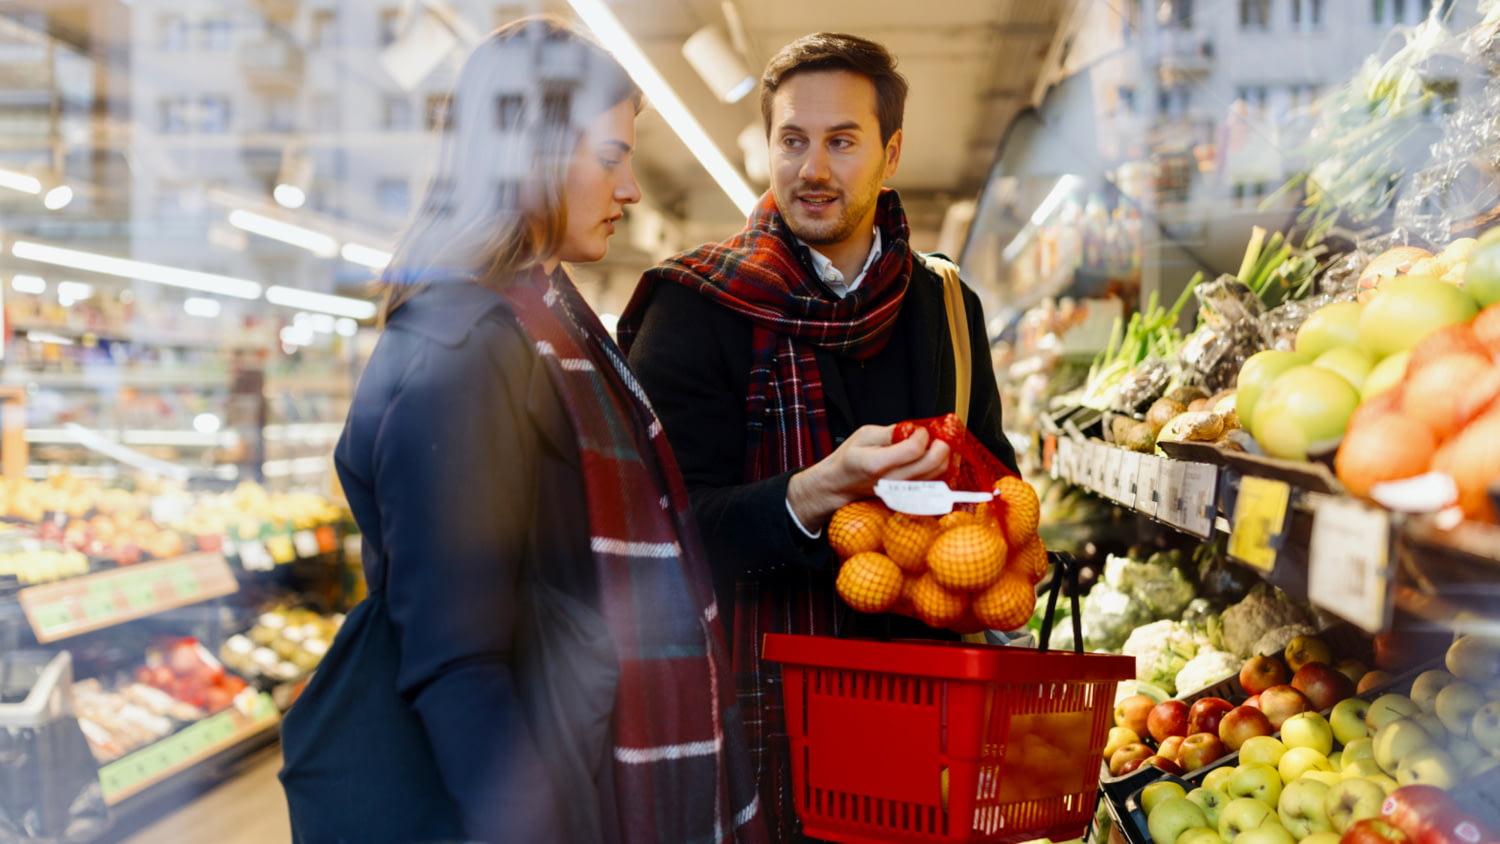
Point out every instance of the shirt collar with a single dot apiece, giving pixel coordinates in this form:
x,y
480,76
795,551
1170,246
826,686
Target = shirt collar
x,y
830,275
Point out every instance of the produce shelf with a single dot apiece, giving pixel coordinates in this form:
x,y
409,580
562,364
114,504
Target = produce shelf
x,y
77,605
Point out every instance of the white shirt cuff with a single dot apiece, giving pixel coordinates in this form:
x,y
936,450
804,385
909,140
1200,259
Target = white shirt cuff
x,y
798,522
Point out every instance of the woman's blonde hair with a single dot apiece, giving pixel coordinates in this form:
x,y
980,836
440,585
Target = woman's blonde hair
x,y
495,203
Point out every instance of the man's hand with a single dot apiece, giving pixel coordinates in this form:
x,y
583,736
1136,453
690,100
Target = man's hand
x,y
850,472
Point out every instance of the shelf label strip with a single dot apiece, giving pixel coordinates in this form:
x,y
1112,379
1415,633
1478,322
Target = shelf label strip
x,y
92,602
1349,569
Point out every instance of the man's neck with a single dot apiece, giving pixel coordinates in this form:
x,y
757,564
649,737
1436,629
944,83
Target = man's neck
x,y
849,256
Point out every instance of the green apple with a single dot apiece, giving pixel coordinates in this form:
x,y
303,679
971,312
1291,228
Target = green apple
x,y
1211,801
1428,766
1262,750
1386,782
1257,372
1352,362
1398,739
1334,326
1201,835
1352,800
1260,782
1300,808
1218,778
1465,753
1244,813
1267,833
1474,658
1347,719
1307,729
1156,792
1299,760
1321,838
1387,708
1386,374
1361,768
1425,688
1486,727
1336,759
1354,751
1302,409
1172,817
1328,778
1433,725
1456,705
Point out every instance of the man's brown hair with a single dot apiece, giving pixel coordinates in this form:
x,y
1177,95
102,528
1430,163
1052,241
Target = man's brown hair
x,y
837,51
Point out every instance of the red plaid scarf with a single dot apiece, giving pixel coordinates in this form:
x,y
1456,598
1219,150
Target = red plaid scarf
x,y
681,766
759,275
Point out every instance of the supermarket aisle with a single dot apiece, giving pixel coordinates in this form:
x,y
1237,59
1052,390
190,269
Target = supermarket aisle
x,y
249,808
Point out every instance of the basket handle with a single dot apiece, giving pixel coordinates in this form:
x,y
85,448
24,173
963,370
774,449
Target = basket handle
x,y
1064,570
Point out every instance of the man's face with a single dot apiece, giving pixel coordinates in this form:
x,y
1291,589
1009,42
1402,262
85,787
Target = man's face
x,y
827,162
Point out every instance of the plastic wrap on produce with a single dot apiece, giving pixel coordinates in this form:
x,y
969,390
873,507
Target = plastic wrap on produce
x,y
1229,331
1144,384
1280,324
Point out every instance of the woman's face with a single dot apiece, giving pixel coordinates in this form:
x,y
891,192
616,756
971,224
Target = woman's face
x,y
600,184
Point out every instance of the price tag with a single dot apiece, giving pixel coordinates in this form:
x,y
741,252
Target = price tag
x,y
1060,459
255,557
1146,484
1349,562
184,582
140,592
306,543
1097,458
281,548
1200,486
1259,521
1110,483
52,616
1172,507
98,606
1130,472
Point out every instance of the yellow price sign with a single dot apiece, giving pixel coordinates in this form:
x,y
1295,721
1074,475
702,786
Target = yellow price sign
x,y
1259,520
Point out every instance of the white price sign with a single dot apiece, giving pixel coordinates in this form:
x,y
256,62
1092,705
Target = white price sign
x,y
1112,464
1147,481
1349,562
1200,486
1130,472
1172,507
1067,454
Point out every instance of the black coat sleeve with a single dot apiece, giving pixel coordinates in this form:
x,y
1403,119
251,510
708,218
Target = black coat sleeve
x,y
692,358
454,470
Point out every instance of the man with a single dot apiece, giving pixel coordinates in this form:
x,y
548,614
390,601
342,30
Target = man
x,y
779,361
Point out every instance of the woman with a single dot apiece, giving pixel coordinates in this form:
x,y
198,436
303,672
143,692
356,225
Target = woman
x,y
558,669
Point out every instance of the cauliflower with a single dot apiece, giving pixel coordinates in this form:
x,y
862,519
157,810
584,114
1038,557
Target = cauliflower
x,y
1208,667
1262,611
1275,641
1108,617
1158,582
1162,649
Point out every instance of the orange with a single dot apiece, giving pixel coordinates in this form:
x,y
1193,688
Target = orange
x,y
935,605
905,605
1383,448
1008,604
956,518
907,539
967,558
1029,561
869,582
857,527
1022,510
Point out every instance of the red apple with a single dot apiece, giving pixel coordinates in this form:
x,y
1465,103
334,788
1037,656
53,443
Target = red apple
x,y
1204,715
1168,718
1373,831
1133,752
1262,672
1241,724
1200,749
1132,765
1169,747
1282,702
1252,701
1164,764
1322,685
1133,711
1428,815
1371,679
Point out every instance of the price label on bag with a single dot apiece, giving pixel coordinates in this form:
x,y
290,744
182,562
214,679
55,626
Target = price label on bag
x,y
1147,480
1200,483
1348,562
1259,521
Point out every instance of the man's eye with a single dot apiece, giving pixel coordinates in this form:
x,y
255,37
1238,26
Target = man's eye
x,y
792,143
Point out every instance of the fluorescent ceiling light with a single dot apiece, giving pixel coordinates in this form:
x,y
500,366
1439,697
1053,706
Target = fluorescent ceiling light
x,y
723,70
222,285
20,181
368,256
289,196
200,306
307,300
598,17
1060,191
346,327
69,292
48,337
315,242
58,197
33,284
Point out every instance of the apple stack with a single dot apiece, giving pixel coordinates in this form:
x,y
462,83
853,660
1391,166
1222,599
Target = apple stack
x,y
1393,754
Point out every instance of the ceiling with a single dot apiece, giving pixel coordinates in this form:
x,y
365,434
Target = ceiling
x,y
971,64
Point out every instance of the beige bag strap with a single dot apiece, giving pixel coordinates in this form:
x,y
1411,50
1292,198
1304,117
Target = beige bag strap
x,y
958,328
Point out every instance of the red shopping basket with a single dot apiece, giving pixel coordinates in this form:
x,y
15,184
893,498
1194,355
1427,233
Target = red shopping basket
x,y
938,742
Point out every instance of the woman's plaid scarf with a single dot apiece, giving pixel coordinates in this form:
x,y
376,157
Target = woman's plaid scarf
x,y
682,770
759,275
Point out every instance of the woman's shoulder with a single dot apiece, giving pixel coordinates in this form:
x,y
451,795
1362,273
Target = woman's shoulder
x,y
448,312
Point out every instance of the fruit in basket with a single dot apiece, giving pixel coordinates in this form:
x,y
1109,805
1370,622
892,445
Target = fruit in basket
x,y
1485,728
1388,447
1456,705
869,582
1428,766
1303,649
1242,724
1474,658
1261,782
1212,801
1118,738
1301,808
1321,685
1282,702
1201,835
1303,409
1262,750
1351,362
1441,393
1171,817
1130,753
1397,740
1347,720
1199,750
1168,718
1261,672
1353,800
967,558
857,527
1029,560
1007,604
1374,831
1387,708
1310,730
1153,794
1258,371
1170,746
1329,327
1297,762
1133,711
1406,310
1022,509
1243,813
907,539
1428,814
1206,713
935,605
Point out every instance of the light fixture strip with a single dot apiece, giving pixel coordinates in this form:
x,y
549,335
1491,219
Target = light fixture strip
x,y
598,17
325,303
20,182
222,285
315,242
369,256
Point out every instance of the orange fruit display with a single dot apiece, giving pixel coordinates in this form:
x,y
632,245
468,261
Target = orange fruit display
x,y
1029,560
1022,509
936,606
857,527
907,539
869,582
967,558
1008,604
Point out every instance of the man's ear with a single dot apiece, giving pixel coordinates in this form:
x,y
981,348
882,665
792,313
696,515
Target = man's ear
x,y
892,154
